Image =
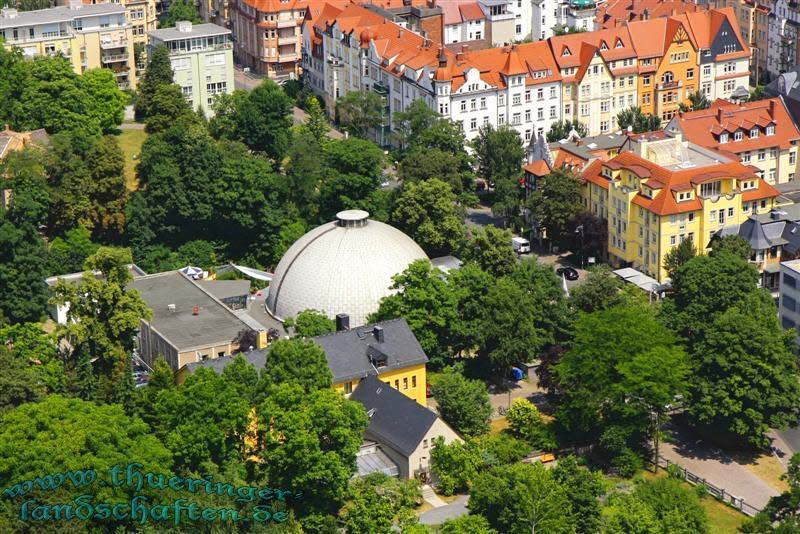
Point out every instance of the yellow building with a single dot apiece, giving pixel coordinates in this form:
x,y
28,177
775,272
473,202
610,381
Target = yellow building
x,y
388,350
661,190
668,65
89,36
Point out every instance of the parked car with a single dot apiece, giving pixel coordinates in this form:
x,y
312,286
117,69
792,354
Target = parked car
x,y
521,245
567,272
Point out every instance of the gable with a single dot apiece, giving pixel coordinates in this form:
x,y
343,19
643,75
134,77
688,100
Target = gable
x,y
680,35
725,41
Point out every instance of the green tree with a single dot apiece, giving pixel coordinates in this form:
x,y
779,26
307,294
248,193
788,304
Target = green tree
x,y
623,364
104,103
377,502
637,121
67,254
102,322
756,93
527,423
679,255
745,374
561,29
202,420
584,489
676,507
601,290
28,343
428,213
627,514
467,524
561,129
25,180
18,383
305,173
733,244
199,253
108,194
463,403
23,267
265,119
555,202
308,442
354,174
427,303
158,73
410,124
281,365
360,111
456,465
490,248
58,435
499,156
180,10
167,107
317,125
587,235
310,323
421,164
522,498
697,101
470,284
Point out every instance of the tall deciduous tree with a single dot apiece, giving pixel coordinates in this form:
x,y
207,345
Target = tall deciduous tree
x,y
102,322
282,365
308,443
555,202
420,164
410,124
745,378
360,111
490,248
733,244
697,101
68,253
522,499
637,121
158,73
167,107
499,155
677,256
317,125
561,129
601,290
584,489
463,403
427,211
378,502
470,285
180,10
310,323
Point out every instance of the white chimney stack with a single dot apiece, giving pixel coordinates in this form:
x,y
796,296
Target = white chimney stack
x,y
183,26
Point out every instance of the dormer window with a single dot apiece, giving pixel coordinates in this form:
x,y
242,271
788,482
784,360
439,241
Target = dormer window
x,y
723,138
771,129
685,195
606,172
753,133
603,45
737,135
619,43
748,184
566,52
647,192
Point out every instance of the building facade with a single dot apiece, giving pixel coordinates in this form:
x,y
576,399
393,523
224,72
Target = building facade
x,y
202,60
761,134
89,36
753,18
789,300
661,190
783,35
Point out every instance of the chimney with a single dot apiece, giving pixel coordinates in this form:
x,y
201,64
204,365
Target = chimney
x,y
183,26
75,4
342,322
195,310
400,33
465,49
378,333
772,108
442,58
431,4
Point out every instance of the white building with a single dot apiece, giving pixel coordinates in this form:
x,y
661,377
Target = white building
x,y
784,30
789,304
202,60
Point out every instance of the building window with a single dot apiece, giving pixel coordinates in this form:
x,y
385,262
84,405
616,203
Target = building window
x,y
540,114
473,124
737,135
689,74
706,70
527,115
584,110
348,388
667,77
753,133
762,155
604,126
771,129
405,383
516,100
788,302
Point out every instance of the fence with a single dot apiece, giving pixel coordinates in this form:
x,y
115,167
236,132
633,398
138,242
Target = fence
x,y
719,493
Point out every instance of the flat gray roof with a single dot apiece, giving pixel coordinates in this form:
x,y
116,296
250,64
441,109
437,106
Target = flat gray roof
x,y
214,323
76,278
59,14
223,289
198,30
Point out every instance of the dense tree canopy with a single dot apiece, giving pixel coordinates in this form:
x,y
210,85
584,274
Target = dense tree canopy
x,y
360,111
377,502
499,156
490,248
638,122
310,323
555,202
463,403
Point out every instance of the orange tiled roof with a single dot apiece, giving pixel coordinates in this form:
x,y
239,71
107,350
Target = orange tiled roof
x,y
537,168
703,127
664,201
618,12
703,26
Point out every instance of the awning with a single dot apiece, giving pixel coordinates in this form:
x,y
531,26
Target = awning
x,y
639,279
253,273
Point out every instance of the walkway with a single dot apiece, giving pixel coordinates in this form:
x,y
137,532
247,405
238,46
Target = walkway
x,y
718,468
437,516
431,498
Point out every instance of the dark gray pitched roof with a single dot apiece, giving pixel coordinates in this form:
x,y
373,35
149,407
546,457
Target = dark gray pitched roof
x,y
258,358
348,352
394,419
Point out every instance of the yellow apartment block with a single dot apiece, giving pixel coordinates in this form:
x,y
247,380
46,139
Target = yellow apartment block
x,y
89,36
661,190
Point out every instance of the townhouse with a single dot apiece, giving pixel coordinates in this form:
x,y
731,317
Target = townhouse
x,y
783,35
753,18
89,36
661,190
762,134
202,60
599,76
619,12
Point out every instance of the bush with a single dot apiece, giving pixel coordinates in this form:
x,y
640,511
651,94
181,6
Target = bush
x,y
528,424
627,463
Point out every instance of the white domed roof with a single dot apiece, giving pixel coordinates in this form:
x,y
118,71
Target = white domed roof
x,y
345,266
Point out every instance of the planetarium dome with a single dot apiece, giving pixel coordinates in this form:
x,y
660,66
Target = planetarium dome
x,y
344,266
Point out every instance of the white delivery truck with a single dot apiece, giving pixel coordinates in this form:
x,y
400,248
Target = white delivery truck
x,y
521,245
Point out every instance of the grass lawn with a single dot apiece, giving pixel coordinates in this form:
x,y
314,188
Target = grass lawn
x,y
498,425
131,143
722,519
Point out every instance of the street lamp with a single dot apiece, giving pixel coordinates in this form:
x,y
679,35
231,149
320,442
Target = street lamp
x,y
579,231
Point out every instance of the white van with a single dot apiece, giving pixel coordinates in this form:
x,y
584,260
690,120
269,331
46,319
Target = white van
x,y
521,245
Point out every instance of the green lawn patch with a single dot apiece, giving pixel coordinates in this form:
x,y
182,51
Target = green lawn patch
x,y
131,143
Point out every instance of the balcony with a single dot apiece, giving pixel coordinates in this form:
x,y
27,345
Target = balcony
x,y
669,85
287,40
381,88
286,58
118,43
291,23
114,58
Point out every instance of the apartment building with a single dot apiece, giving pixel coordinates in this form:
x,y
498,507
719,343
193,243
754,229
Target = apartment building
x,y
599,76
268,35
662,190
202,60
753,19
89,36
783,54
789,300
141,15
761,134
615,13
215,12
463,22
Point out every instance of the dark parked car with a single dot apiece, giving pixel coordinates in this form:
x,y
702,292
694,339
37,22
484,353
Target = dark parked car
x,y
567,272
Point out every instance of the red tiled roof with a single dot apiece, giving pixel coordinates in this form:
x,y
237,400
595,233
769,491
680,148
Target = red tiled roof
x,y
537,168
704,126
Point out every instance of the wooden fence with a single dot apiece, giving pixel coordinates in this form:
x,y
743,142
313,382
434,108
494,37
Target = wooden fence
x,y
719,493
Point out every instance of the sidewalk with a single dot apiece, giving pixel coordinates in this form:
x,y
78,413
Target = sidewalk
x,y
437,516
431,498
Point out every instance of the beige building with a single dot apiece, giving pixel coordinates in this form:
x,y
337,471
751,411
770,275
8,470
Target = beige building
x,y
89,36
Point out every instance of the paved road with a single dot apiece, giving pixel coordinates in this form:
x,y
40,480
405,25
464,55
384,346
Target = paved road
x,y
437,516
791,437
482,216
